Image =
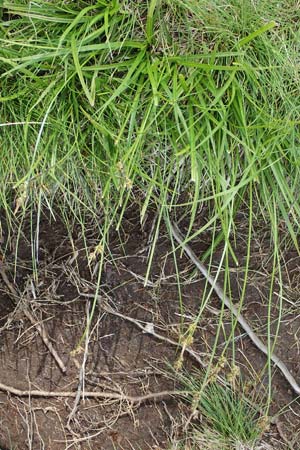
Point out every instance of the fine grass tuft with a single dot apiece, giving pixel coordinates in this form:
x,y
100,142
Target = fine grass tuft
x,y
222,417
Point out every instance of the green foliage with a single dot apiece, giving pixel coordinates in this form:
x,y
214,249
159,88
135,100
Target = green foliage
x,y
161,103
99,98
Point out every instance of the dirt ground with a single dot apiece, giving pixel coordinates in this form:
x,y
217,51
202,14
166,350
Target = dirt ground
x,y
121,360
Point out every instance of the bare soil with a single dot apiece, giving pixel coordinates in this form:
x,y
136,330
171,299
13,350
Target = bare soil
x,y
120,357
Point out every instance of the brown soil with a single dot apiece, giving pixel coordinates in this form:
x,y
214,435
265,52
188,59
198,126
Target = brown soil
x,y
120,357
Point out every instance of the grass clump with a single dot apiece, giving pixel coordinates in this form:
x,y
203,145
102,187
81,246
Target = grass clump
x,y
110,102
222,417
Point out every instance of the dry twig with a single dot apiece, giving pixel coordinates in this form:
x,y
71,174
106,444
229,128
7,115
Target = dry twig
x,y
38,325
223,297
91,394
148,328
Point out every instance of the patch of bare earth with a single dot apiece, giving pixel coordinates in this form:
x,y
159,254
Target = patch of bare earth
x,y
116,368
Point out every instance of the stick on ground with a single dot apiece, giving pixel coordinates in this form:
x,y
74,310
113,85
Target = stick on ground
x,y
91,394
223,297
39,326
